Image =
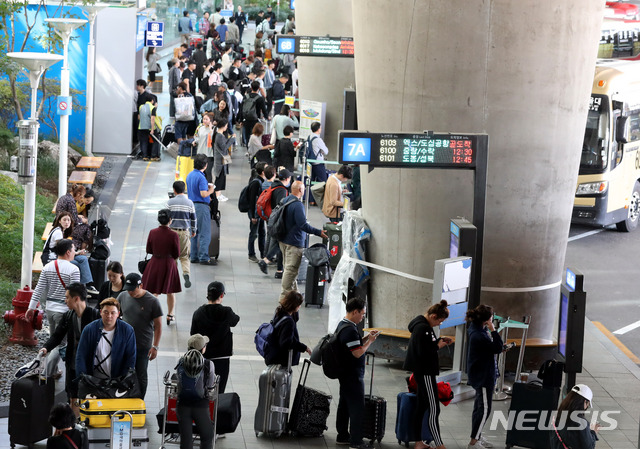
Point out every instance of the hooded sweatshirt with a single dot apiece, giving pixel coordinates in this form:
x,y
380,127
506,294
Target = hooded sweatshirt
x,y
481,360
422,353
215,321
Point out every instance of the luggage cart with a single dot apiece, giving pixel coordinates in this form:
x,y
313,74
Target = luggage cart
x,y
501,392
169,425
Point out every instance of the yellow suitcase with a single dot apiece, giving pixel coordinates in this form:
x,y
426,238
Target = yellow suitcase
x,y
184,166
98,412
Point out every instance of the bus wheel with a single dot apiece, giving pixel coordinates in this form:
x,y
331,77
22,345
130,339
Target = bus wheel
x,y
631,223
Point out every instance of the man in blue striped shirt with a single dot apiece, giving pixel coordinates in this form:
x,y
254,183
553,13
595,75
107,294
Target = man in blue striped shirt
x,y
183,223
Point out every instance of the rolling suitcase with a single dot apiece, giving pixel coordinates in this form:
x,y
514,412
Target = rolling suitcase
x,y
29,406
98,412
273,400
98,270
100,438
214,244
406,431
168,135
184,166
527,397
315,286
310,408
229,413
375,412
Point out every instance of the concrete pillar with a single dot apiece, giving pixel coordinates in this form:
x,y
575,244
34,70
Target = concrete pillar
x,y
519,71
324,79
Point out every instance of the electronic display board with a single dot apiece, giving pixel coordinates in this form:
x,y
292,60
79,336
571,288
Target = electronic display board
x,y
315,46
424,150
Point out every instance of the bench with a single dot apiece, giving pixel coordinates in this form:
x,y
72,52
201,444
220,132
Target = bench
x,y
90,162
82,177
36,267
47,231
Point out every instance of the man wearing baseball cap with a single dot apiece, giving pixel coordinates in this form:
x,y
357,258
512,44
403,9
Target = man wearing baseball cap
x,y
213,322
143,312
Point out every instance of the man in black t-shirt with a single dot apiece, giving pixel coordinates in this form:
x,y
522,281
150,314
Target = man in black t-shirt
x,y
189,77
351,403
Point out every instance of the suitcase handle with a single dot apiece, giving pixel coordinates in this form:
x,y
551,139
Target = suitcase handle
x,y
373,362
305,364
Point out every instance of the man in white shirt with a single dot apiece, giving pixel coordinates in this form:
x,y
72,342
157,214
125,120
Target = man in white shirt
x,y
320,150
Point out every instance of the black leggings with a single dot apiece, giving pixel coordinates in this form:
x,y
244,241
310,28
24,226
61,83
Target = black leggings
x,y
481,411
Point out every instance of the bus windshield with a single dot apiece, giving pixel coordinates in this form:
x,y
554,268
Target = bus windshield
x,y
596,137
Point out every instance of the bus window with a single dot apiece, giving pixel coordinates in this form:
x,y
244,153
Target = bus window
x,y
634,126
596,137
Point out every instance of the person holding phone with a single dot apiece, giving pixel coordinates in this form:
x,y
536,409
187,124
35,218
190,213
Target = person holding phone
x,y
570,427
484,344
422,360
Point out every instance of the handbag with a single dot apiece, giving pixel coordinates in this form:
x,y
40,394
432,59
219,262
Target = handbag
x,y
125,386
226,159
143,264
272,141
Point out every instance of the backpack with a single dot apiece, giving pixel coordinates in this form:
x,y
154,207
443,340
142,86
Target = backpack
x,y
192,388
243,200
317,190
308,151
46,250
551,374
204,85
277,225
249,107
263,339
234,104
263,205
329,350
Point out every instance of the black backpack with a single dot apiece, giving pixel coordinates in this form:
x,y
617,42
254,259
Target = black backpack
x,y
277,224
328,352
249,107
551,374
243,199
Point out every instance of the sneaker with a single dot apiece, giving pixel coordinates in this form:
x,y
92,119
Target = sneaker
x,y
253,259
475,446
92,290
146,159
484,443
187,281
278,275
209,262
263,266
362,445
195,261
342,441
223,198
155,159
220,436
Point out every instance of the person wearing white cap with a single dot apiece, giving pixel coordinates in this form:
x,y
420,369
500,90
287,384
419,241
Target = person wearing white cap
x,y
570,427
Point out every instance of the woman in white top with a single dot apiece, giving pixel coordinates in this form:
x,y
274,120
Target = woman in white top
x,y
203,138
285,118
62,229
255,146
152,63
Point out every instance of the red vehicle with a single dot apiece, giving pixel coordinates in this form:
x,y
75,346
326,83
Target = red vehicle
x,y
621,10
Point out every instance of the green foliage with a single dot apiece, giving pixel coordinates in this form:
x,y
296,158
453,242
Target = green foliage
x,y
256,6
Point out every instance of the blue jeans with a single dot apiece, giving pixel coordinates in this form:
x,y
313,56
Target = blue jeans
x,y
256,230
200,243
85,270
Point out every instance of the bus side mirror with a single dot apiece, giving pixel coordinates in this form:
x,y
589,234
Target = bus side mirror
x,y
621,127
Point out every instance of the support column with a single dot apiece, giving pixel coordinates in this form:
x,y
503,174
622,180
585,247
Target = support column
x,y
519,71
324,79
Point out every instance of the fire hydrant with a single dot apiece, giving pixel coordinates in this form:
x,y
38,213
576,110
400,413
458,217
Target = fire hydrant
x,y
23,329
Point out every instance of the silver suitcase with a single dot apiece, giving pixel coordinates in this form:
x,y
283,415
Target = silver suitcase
x,y
272,413
100,438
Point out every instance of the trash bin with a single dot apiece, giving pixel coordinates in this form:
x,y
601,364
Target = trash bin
x,y
334,243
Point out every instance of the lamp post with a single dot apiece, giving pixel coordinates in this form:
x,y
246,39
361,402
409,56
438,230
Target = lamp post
x,y
91,12
64,28
34,64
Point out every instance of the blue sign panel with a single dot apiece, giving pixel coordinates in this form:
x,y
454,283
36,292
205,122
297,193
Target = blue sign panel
x,y
155,34
140,32
357,149
292,5
64,105
286,45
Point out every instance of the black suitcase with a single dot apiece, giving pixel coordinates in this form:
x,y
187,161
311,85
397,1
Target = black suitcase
x,y
214,244
375,411
229,413
168,135
527,397
310,408
315,286
29,406
98,271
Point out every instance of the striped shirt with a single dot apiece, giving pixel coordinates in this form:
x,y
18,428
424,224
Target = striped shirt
x,y
183,213
49,291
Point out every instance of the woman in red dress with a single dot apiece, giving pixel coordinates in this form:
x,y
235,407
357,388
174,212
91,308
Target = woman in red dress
x,y
161,274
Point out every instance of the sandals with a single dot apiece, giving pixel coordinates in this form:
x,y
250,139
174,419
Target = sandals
x,y
170,318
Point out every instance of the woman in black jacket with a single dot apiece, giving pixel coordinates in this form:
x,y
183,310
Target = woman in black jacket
x,y
285,153
484,344
285,332
570,427
422,360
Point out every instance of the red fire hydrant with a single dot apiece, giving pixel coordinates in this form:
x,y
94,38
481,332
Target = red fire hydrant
x,y
23,329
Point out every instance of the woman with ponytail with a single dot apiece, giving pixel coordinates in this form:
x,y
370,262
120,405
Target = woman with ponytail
x,y
422,360
484,344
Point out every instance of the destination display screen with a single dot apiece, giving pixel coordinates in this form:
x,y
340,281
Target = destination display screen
x,y
315,46
408,150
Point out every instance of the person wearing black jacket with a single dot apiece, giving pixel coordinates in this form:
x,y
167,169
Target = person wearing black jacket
x,y
215,321
484,344
285,153
250,119
279,92
570,427
422,360
256,224
280,190
66,435
285,332
71,326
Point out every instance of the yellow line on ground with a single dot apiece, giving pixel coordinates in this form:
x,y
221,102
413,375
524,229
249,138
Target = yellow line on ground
x,y
634,358
135,203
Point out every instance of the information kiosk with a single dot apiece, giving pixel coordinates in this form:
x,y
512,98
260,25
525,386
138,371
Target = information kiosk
x,y
571,324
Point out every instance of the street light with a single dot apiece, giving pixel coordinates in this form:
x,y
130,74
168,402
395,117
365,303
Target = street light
x,y
90,11
63,28
34,65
